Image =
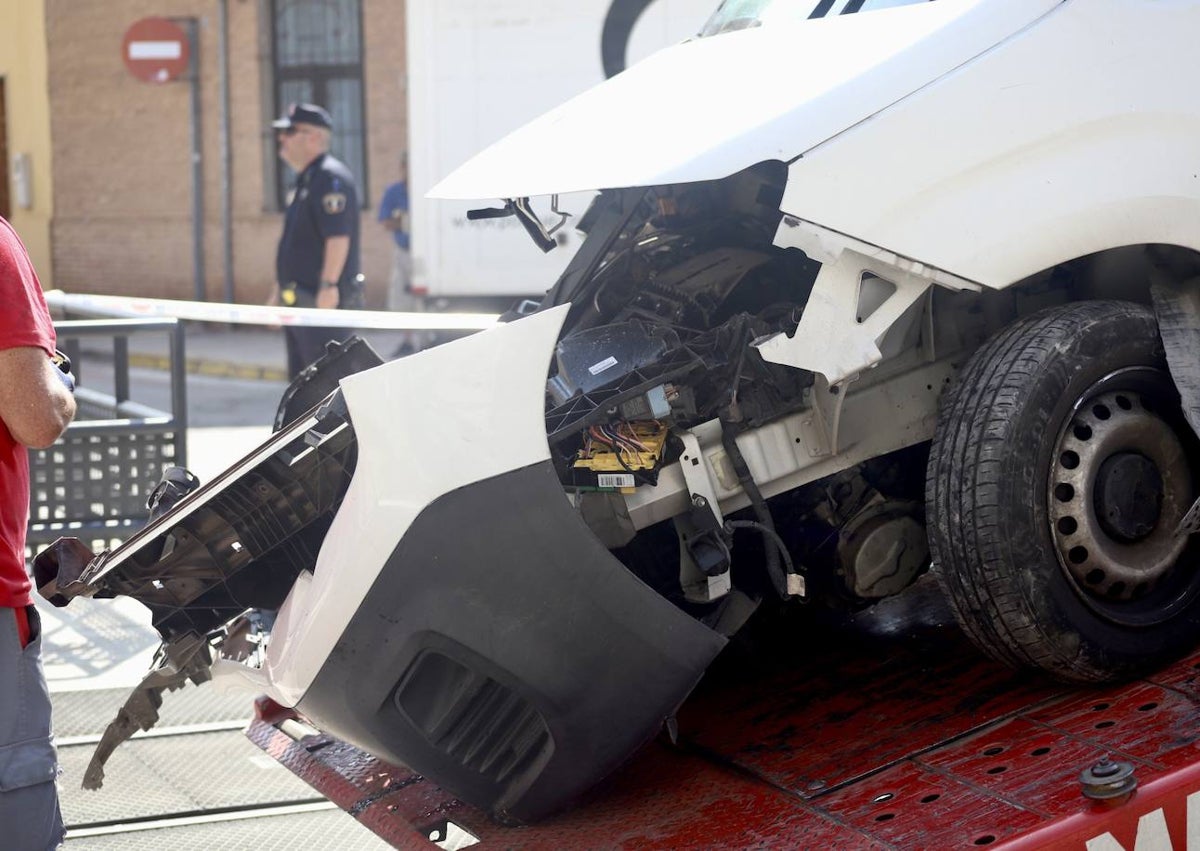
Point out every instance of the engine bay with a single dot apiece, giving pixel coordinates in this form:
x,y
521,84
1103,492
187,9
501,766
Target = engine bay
x,y
671,290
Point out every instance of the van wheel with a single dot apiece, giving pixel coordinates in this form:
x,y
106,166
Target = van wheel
x,y
1059,471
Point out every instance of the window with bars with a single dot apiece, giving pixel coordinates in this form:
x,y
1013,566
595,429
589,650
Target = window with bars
x,y
317,59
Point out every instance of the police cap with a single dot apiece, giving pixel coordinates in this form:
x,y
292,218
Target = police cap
x,y
303,113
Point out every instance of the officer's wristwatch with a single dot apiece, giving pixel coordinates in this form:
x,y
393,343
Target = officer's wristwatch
x,y
328,285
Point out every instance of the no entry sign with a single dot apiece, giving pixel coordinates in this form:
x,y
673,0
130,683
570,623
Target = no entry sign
x,y
155,50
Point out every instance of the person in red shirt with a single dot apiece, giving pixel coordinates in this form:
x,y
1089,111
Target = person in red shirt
x,y
36,405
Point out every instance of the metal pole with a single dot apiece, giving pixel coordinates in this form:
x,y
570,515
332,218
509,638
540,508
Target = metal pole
x,y
226,153
179,411
197,165
120,369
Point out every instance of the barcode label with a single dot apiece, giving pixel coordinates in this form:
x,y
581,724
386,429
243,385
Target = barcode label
x,y
615,480
607,363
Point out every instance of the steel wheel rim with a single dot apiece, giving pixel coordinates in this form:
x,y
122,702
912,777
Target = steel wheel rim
x,y
1134,581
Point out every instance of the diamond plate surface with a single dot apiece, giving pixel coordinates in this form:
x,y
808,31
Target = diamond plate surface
x,y
174,774
87,713
129,790
332,830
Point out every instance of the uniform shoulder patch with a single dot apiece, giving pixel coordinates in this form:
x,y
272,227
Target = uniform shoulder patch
x,y
333,203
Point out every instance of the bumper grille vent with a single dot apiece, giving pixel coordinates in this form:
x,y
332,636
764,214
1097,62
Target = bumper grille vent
x,y
481,724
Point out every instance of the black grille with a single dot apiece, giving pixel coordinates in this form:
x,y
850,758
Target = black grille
x,y
481,724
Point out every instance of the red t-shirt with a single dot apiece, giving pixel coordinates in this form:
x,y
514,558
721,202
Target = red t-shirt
x,y
24,321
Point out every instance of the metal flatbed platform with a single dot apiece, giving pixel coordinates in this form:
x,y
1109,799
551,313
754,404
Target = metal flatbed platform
x,y
909,740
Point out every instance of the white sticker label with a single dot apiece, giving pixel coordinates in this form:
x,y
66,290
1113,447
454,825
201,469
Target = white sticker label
x,y
607,363
615,480
155,49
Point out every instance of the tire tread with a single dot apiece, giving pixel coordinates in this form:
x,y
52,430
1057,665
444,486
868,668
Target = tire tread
x,y
968,499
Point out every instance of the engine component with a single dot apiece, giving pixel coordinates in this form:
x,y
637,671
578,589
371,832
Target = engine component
x,y
882,545
591,359
704,567
651,405
883,549
622,381
620,457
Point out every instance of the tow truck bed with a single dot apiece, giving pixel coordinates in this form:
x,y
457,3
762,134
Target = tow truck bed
x,y
900,736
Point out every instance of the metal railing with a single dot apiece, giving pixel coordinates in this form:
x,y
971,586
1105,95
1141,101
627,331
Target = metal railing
x,y
94,481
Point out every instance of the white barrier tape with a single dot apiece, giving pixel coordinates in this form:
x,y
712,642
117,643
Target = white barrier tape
x,y
260,314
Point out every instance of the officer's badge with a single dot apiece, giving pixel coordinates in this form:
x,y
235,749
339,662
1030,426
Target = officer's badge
x,y
334,203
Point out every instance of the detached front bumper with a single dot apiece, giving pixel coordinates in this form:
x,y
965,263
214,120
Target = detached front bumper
x,y
498,648
460,617
506,654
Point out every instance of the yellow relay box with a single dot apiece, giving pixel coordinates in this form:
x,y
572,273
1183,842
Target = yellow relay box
x,y
619,457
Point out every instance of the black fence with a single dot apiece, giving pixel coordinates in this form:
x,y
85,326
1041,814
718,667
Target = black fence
x,y
94,481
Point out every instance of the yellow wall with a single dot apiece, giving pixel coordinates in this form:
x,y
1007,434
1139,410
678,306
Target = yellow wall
x,y
23,67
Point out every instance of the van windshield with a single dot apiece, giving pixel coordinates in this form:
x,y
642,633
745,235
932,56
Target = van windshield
x,y
743,14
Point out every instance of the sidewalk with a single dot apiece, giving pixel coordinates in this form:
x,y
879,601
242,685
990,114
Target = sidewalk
x,y
241,351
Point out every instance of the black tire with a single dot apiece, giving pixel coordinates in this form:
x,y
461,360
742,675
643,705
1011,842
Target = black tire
x,y
1044,559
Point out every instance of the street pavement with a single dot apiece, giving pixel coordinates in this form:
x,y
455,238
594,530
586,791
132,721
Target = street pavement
x,y
104,647
229,352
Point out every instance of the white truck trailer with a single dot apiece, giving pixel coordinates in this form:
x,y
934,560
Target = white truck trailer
x,y
479,69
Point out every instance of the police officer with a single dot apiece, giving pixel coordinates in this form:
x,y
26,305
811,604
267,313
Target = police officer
x,y
318,259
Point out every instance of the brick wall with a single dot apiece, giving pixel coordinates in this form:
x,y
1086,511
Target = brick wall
x,y
121,150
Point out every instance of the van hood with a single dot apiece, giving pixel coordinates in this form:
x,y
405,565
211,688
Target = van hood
x,y
709,107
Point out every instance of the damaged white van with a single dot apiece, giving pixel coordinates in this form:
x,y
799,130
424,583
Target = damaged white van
x,y
866,290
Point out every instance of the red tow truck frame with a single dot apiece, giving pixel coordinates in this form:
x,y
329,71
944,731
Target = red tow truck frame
x,y
904,738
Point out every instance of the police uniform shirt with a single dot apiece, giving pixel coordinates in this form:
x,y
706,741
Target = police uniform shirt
x,y
325,204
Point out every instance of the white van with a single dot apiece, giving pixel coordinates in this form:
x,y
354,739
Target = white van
x,y
861,296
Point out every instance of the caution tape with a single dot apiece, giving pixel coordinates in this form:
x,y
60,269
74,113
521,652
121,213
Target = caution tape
x,y
261,314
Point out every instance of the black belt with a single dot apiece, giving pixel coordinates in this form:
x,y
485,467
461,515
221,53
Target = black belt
x,y
293,294
350,294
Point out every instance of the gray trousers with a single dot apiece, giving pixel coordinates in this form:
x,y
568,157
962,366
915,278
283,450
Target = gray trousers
x,y
29,816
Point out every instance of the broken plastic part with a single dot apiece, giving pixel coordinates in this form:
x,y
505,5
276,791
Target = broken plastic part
x,y
175,484
57,571
188,658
